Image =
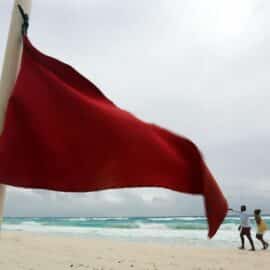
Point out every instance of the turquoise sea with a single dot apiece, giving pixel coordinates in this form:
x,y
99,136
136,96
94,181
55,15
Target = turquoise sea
x,y
172,230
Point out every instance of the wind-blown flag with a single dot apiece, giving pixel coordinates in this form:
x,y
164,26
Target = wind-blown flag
x,y
61,133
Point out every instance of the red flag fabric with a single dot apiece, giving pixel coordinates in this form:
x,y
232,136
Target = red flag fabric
x,y
61,133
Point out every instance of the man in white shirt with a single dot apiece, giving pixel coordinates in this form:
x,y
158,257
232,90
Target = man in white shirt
x,y
244,228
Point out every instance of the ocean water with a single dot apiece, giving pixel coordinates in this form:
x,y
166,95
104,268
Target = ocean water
x,y
171,230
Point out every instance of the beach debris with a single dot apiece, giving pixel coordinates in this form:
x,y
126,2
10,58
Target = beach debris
x,y
80,265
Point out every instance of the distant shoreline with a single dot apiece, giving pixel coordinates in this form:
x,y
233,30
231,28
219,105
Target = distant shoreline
x,y
228,216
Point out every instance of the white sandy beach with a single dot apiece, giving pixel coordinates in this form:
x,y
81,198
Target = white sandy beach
x,y
25,251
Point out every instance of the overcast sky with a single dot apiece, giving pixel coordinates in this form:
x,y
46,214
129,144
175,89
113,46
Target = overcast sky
x,y
198,68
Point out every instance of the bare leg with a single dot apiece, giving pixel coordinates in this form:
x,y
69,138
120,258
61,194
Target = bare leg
x,y
260,238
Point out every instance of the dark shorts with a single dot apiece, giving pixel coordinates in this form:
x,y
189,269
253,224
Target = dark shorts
x,y
259,235
245,231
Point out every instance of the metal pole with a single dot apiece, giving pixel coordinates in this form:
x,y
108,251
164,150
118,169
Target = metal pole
x,y
10,69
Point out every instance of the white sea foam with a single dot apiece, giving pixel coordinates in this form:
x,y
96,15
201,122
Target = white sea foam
x,y
109,218
191,218
229,227
176,230
162,219
151,226
77,219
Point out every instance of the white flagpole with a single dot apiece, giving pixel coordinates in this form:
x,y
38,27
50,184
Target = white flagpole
x,y
10,69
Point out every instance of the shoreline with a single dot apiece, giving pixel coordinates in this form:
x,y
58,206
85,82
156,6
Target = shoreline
x,y
123,240
23,250
165,230
199,243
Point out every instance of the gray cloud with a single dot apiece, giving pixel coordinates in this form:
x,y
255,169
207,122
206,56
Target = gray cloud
x,y
199,68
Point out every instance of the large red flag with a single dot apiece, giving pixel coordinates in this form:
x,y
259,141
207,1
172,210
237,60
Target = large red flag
x,y
61,133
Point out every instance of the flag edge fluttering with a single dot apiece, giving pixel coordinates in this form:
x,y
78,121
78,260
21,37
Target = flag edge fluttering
x,y
205,173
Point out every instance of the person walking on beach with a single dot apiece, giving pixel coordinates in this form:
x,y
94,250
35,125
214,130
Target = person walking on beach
x,y
244,228
261,227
